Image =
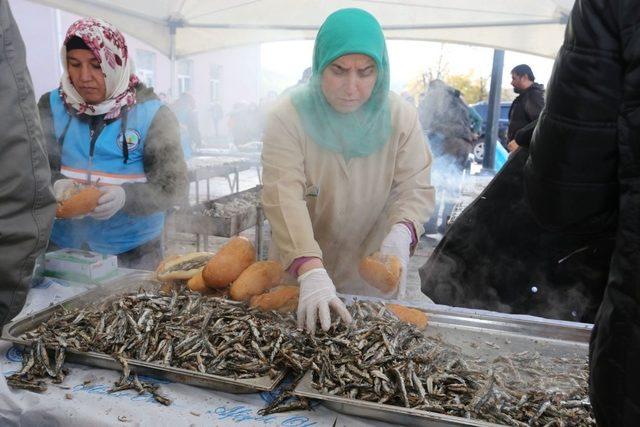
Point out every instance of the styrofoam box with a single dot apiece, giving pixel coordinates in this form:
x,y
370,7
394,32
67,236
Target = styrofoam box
x,y
80,266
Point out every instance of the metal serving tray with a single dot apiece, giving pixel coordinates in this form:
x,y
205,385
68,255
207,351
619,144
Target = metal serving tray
x,y
131,282
192,220
476,334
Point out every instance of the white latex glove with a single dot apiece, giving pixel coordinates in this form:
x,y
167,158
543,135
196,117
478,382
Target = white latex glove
x,y
60,186
111,201
398,243
317,294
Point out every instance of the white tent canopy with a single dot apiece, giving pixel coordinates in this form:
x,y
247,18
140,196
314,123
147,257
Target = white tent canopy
x,y
180,28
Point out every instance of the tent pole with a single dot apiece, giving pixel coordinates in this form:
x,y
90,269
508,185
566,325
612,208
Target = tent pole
x,y
454,25
172,59
493,113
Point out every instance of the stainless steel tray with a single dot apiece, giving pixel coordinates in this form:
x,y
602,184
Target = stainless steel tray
x,y
192,220
478,335
132,282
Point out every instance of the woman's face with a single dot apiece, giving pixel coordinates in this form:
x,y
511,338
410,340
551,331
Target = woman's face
x,y
86,75
348,81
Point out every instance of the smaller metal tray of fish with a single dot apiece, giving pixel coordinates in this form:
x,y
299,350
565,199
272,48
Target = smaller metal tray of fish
x,y
225,217
132,283
477,335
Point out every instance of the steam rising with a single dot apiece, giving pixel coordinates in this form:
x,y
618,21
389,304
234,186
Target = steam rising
x,y
445,120
496,257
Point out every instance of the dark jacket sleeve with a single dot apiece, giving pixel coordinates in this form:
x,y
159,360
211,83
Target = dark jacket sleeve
x,y
164,166
523,136
534,104
49,137
28,206
571,174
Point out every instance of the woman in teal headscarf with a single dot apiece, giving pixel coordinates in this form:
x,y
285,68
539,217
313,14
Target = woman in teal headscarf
x,y
346,169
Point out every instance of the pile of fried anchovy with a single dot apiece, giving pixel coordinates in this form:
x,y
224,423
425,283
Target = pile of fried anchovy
x,y
376,358
37,365
204,334
379,359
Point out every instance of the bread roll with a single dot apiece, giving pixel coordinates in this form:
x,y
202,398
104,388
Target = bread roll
x,y
160,266
227,264
79,201
256,279
381,271
281,298
196,283
182,267
409,315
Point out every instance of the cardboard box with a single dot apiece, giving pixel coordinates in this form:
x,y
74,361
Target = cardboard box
x,y
80,266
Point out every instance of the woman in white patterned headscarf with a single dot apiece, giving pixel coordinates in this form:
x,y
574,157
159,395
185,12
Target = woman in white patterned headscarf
x,y
103,127
111,83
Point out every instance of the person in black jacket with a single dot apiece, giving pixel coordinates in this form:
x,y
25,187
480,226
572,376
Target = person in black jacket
x,y
583,176
526,108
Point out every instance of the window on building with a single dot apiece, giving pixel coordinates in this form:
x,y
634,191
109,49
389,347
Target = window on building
x,y
184,71
146,67
215,73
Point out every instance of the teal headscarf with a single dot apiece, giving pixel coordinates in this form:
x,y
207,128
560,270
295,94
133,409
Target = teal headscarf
x,y
362,132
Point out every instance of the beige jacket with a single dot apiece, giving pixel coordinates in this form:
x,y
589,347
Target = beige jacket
x,y
320,205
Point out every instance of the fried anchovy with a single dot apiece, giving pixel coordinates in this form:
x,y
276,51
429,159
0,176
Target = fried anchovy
x,y
376,358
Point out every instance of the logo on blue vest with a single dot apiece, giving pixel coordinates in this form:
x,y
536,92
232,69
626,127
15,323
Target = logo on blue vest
x,y
133,139
14,354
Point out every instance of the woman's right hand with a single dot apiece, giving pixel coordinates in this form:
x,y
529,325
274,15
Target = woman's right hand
x,y
317,296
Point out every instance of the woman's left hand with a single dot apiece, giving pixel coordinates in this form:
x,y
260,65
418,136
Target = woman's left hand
x,y
398,243
111,201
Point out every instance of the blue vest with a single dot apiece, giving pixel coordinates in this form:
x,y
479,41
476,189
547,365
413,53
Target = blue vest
x,y
122,232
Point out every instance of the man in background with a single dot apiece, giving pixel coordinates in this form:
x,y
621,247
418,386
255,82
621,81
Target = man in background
x,y
27,205
526,108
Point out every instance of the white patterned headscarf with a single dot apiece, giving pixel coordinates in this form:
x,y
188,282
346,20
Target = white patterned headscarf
x,y
109,47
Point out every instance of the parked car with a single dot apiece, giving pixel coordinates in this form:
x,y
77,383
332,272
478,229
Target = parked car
x,y
482,108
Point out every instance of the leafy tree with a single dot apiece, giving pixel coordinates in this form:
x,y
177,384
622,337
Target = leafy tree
x,y
473,88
